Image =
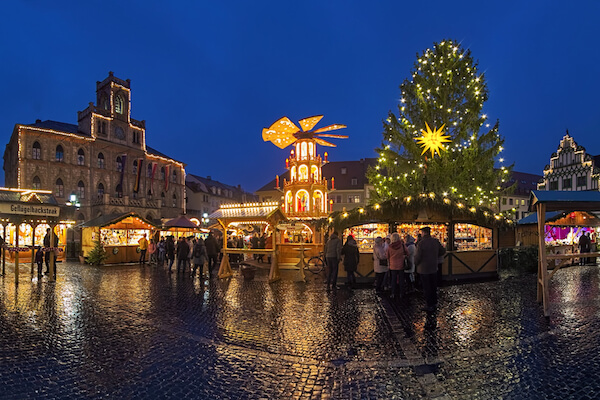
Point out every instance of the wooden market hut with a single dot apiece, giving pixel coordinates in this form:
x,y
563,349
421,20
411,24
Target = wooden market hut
x,y
118,233
469,255
543,202
268,214
30,208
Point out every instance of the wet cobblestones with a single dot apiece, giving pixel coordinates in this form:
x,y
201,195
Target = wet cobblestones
x,y
128,332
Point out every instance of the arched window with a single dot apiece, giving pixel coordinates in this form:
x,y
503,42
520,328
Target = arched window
x,y
119,191
149,194
36,151
119,104
60,189
37,183
149,170
81,190
60,154
174,176
80,157
174,200
119,164
100,190
100,160
162,173
134,169
162,198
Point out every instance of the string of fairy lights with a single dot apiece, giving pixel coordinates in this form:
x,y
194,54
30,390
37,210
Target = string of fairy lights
x,y
448,67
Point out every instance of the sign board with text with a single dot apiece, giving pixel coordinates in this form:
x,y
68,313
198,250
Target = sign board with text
x,y
30,209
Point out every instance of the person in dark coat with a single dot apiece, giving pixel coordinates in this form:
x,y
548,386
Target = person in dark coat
x,y
584,247
429,249
47,252
199,256
333,253
183,250
212,251
170,251
351,257
39,259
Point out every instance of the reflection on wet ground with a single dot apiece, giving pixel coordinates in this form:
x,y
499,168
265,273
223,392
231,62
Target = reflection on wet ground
x,y
139,332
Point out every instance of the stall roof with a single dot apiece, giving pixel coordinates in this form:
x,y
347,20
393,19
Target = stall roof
x,y
532,218
114,219
249,212
565,200
180,222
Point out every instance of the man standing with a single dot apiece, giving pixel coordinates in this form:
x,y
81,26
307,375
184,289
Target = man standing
x,y
212,252
143,242
47,253
584,247
426,260
333,253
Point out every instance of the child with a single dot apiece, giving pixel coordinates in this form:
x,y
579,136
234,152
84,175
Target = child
x,y
39,259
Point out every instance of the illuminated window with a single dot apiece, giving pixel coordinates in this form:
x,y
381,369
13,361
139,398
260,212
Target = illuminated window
x,y
81,190
36,153
355,198
59,189
80,157
119,191
59,153
119,104
100,190
100,160
37,183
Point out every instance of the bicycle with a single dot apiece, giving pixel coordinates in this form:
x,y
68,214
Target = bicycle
x,y
316,264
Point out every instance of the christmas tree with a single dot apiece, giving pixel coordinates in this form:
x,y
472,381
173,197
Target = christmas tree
x,y
441,143
97,255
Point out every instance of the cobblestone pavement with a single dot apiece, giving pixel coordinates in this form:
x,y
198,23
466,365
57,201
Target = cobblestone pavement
x,y
129,332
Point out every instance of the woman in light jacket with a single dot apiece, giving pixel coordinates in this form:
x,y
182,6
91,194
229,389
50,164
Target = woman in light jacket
x,y
396,252
380,263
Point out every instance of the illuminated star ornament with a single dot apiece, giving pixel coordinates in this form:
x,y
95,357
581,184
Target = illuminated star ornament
x,y
433,140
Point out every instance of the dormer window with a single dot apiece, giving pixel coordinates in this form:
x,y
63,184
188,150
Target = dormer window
x,y
344,171
119,104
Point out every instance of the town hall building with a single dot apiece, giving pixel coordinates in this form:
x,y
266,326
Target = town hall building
x,y
103,161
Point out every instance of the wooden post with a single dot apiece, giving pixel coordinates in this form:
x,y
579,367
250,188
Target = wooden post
x,y
17,253
274,274
52,272
225,268
4,251
32,246
542,281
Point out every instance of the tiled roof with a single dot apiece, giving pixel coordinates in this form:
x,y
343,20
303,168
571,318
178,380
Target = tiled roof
x,y
58,126
21,197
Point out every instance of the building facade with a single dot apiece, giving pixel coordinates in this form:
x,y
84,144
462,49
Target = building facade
x,y
351,187
517,202
205,195
570,168
103,160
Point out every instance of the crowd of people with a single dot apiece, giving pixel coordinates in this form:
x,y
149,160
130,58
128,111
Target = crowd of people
x,y
188,254
401,265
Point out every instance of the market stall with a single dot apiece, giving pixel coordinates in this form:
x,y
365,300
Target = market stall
x,y
181,226
250,217
118,233
568,203
469,235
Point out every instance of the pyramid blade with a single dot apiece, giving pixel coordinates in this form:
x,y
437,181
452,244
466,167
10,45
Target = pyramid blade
x,y
279,139
330,128
308,123
332,135
284,124
324,143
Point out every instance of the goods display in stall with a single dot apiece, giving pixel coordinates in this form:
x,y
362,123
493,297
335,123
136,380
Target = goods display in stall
x,y
27,239
366,234
438,231
118,233
472,237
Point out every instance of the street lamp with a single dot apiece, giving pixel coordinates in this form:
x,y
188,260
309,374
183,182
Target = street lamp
x,y
73,202
205,219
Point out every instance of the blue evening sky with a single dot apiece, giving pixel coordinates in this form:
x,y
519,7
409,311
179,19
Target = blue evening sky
x,y
207,76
